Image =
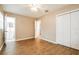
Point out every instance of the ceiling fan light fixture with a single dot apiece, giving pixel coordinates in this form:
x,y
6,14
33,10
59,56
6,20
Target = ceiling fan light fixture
x,y
35,7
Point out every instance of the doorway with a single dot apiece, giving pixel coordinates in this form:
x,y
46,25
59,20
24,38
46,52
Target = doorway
x,y
37,28
9,28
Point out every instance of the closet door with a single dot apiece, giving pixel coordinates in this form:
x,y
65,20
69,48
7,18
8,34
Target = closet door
x,y
67,30
75,30
63,29
60,24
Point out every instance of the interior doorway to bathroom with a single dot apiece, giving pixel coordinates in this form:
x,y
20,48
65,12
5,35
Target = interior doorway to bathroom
x,y
37,28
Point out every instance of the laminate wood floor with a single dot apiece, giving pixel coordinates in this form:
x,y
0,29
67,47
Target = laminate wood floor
x,y
36,47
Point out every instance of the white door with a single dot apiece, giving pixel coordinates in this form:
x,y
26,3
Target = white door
x,y
9,29
75,30
67,30
63,29
59,29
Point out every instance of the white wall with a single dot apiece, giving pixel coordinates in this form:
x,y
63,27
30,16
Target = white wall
x,y
48,27
24,27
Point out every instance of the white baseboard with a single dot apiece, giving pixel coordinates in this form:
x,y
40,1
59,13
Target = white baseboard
x,y
49,40
24,38
1,46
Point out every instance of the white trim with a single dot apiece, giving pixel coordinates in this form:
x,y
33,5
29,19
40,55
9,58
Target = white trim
x,y
70,11
24,38
49,40
1,46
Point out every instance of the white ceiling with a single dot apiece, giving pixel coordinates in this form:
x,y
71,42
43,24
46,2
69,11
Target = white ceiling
x,y
24,9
